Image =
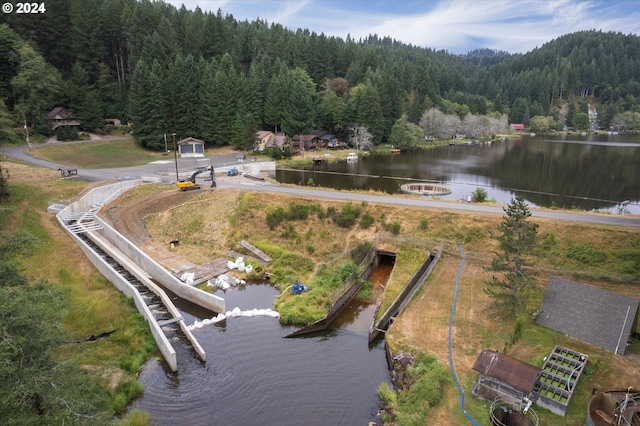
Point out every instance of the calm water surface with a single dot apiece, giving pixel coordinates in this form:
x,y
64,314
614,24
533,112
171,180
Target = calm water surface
x,y
591,172
254,376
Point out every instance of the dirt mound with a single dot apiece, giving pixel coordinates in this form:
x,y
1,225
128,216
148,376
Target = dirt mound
x,y
127,213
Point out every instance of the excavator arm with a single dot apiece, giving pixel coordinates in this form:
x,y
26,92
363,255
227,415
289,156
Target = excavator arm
x,y
190,183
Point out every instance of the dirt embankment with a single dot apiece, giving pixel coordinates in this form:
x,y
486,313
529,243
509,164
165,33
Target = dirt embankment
x,y
127,213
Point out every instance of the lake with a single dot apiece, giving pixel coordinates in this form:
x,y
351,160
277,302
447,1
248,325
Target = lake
x,y
590,172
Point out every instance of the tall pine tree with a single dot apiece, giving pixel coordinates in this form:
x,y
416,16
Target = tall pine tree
x,y
518,242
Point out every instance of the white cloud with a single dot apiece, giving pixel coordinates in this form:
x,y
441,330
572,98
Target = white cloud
x,y
456,25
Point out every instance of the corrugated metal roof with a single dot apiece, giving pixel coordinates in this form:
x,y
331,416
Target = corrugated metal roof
x,y
515,373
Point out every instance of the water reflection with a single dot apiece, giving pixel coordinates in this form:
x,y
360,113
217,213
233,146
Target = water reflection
x,y
588,172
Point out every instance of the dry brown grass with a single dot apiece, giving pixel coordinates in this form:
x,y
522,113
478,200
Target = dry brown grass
x,y
211,222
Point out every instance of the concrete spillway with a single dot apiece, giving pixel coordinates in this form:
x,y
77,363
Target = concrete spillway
x,y
133,272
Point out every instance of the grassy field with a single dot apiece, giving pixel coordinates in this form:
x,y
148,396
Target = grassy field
x,y
94,304
604,256
111,153
97,154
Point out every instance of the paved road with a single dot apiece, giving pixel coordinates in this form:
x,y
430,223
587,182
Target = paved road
x,y
155,169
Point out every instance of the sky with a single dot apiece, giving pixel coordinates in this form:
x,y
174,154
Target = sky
x,y
458,26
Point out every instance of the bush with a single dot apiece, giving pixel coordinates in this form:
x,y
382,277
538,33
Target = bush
x,y
393,227
275,217
347,216
426,392
361,250
479,195
67,133
366,220
297,211
586,254
347,270
424,223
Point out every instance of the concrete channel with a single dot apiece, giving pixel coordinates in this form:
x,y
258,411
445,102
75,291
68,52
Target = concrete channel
x,y
407,293
133,272
353,284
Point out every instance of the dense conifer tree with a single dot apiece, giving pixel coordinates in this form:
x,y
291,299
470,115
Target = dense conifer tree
x,y
518,242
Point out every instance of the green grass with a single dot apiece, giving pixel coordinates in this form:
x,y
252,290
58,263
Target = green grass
x,y
93,304
408,260
98,155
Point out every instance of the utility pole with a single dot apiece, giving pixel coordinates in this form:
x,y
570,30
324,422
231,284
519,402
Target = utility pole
x,y
27,130
175,156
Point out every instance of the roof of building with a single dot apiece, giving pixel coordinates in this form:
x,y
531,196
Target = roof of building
x,y
515,373
305,138
600,317
190,140
60,113
275,141
517,126
263,133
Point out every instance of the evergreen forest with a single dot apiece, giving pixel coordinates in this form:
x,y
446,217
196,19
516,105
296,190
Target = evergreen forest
x,y
210,76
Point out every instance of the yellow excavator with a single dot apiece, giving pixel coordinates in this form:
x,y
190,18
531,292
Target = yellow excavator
x,y
186,184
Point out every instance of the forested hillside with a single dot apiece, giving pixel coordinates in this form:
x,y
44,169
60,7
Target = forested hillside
x,y
211,76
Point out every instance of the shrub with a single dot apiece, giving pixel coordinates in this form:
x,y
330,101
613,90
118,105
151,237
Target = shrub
x,y
393,227
366,220
586,254
426,392
67,133
347,216
424,223
297,211
479,195
347,270
275,217
289,232
361,250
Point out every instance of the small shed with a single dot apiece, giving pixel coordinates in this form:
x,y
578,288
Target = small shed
x,y
503,377
191,147
518,127
600,317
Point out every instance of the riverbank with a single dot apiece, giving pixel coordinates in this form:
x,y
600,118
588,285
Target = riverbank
x,y
422,328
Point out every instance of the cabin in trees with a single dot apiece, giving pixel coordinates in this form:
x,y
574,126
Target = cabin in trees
x,y
327,140
305,142
266,139
191,147
519,127
61,117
